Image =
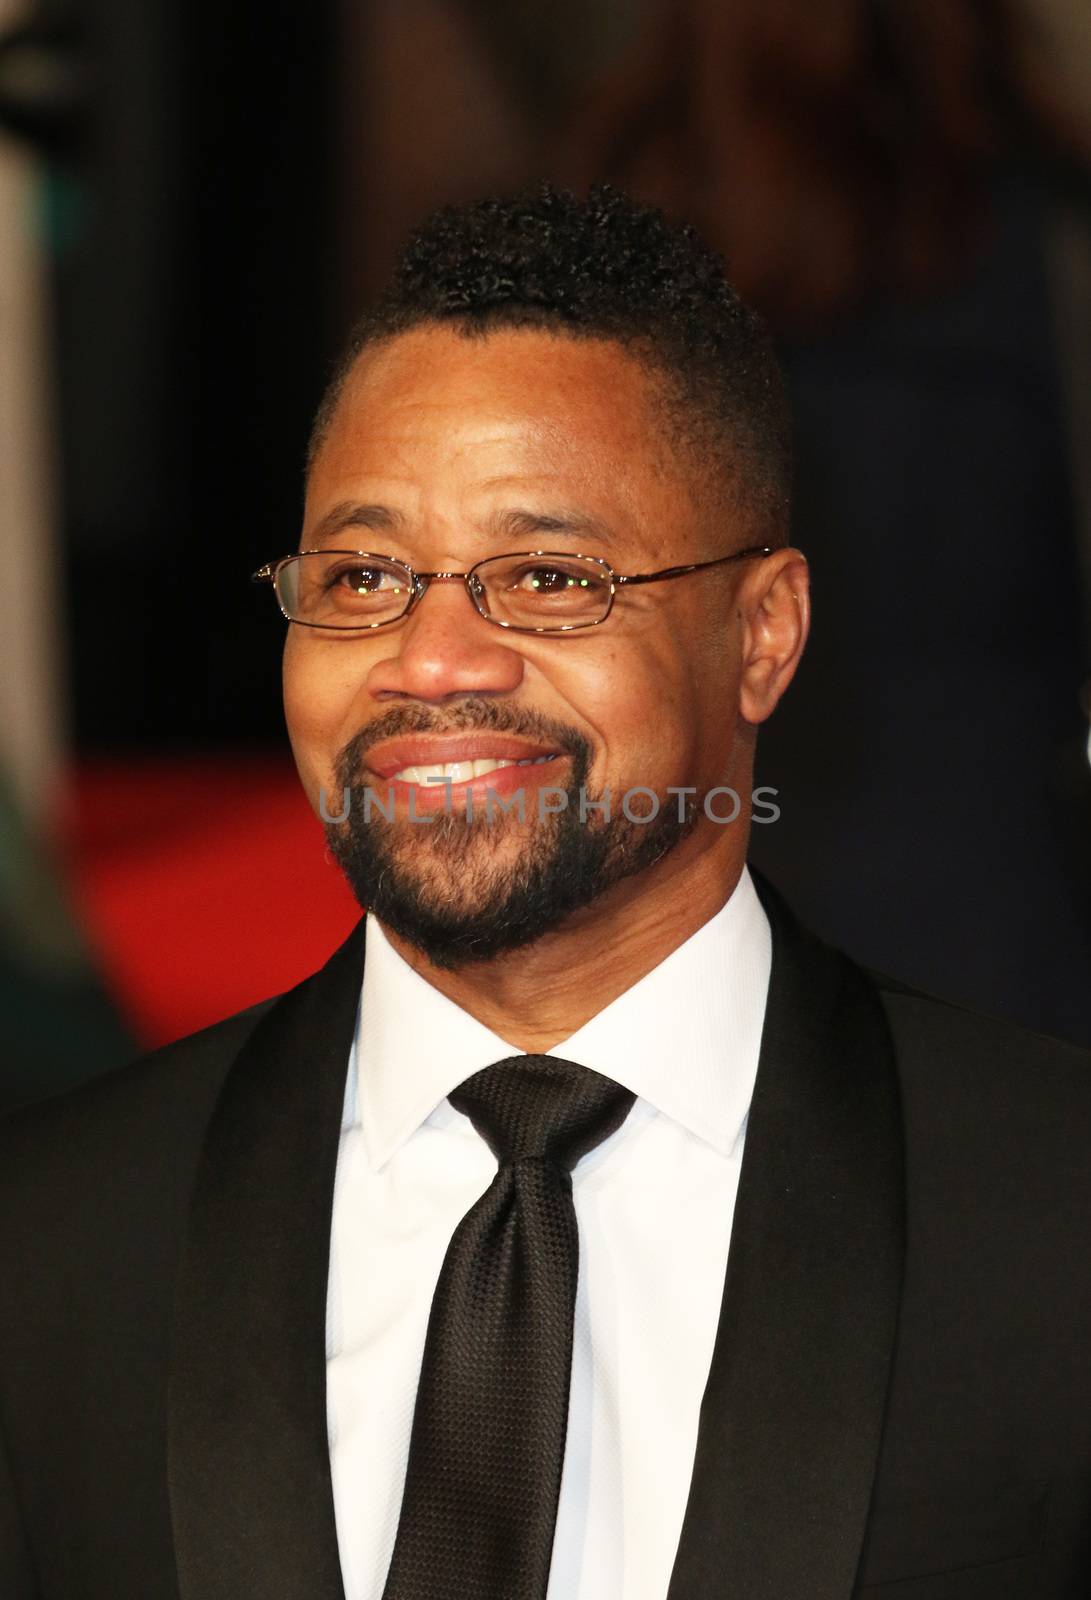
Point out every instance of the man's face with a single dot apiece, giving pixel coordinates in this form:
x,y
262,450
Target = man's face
x,y
445,450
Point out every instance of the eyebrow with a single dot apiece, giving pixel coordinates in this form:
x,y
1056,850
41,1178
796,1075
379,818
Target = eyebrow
x,y
519,522
515,522
350,514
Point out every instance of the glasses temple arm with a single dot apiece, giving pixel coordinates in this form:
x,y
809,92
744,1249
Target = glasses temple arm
x,y
694,566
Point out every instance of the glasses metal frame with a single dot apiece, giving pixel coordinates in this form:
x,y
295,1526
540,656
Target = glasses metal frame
x,y
418,583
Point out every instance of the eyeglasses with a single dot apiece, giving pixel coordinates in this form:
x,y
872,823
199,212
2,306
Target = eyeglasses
x,y
536,591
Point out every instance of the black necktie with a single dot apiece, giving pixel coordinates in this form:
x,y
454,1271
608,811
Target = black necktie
x,y
487,1445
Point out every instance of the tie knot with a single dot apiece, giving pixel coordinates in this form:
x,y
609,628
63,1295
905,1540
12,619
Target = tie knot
x,y
541,1106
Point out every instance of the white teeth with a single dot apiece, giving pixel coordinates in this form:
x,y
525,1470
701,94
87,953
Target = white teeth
x,y
460,771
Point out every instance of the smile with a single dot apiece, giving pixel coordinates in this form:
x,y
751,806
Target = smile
x,y
462,771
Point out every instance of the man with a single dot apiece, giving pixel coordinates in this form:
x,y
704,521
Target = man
x,y
584,1228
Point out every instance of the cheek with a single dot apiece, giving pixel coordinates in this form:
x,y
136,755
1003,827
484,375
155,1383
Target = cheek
x,y
676,709
639,703
320,692
711,648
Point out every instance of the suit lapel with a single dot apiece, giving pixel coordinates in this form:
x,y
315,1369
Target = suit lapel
x,y
792,1413
251,1496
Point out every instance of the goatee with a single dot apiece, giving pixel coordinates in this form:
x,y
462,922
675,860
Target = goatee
x,y
463,891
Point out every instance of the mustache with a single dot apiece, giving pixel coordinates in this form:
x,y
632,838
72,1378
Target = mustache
x,y
472,715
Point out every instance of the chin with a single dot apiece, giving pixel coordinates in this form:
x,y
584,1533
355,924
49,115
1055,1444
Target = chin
x,y
468,893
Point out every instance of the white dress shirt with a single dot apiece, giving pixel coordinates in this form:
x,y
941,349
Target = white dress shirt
x,y
654,1204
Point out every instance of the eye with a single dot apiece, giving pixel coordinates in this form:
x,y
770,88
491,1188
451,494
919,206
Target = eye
x,y
353,578
555,580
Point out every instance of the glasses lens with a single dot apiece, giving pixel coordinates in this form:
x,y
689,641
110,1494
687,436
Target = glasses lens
x,y
343,589
545,590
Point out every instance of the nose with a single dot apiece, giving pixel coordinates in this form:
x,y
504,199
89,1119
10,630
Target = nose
x,y
445,647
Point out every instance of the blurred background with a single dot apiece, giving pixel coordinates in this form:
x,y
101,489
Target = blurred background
x,y
196,201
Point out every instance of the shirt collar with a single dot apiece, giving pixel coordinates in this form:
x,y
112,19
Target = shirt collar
x,y
685,1037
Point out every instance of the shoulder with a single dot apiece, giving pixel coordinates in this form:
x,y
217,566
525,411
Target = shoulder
x,y
976,1090
936,1036
945,1054
139,1124
130,1140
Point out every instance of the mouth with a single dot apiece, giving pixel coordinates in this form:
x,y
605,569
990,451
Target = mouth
x,y
433,770
463,771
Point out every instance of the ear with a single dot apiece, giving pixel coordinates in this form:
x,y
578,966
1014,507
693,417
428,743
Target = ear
x,y
775,601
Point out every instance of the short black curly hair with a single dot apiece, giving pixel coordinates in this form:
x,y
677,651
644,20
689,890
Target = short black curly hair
x,y
607,267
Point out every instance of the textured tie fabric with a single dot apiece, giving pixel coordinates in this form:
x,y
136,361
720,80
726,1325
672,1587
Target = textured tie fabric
x,y
487,1445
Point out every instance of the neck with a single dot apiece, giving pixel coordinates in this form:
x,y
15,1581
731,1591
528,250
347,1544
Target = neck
x,y
537,996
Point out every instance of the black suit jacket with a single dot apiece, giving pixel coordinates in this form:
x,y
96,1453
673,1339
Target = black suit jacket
x,y
899,1403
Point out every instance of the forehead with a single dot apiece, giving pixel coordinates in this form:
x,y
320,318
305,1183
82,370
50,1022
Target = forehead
x,y
433,411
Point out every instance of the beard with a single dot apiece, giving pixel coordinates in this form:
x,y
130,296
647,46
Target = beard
x,y
464,891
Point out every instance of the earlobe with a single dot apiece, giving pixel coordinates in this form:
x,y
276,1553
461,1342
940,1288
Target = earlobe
x,y
777,612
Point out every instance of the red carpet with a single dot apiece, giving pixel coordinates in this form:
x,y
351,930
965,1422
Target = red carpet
x,y
202,885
